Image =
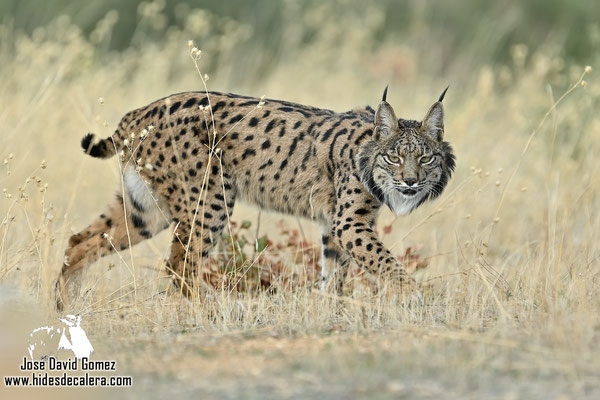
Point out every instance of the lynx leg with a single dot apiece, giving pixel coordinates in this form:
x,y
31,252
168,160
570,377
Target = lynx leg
x,y
335,264
118,229
207,206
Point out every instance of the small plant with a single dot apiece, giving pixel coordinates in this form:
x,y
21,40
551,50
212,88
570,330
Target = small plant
x,y
244,263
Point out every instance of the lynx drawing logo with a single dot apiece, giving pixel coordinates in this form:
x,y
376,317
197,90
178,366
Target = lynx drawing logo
x,y
45,341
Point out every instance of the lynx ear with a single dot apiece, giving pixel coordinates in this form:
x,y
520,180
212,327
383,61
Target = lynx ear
x,y
433,123
385,118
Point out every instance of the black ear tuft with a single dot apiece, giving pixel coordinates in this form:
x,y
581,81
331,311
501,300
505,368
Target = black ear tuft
x,y
385,94
443,94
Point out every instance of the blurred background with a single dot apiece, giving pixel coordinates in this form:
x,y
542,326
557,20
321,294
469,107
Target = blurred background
x,y
443,31
512,247
389,40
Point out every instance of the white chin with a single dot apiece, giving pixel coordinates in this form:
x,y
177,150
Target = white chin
x,y
402,204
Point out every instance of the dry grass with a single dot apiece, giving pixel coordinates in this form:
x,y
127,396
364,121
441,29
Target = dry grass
x,y
512,303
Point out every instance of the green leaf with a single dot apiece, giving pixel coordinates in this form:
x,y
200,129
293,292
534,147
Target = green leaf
x,y
261,243
246,224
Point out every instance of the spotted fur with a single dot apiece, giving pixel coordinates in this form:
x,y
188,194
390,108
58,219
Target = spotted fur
x,y
180,168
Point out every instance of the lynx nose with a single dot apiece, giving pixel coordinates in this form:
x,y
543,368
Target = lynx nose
x,y
410,181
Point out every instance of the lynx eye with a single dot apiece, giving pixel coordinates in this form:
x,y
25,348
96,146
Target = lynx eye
x,y
426,160
394,160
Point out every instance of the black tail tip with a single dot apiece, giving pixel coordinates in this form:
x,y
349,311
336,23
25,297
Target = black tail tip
x,y
98,150
86,142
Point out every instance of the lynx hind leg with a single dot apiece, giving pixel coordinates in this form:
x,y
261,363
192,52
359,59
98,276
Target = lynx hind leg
x,y
209,207
116,230
335,263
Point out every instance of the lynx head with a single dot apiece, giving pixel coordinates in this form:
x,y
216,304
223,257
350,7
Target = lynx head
x,y
407,162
